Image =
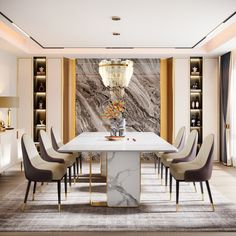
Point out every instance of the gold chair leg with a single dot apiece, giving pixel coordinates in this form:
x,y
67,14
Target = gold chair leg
x,y
90,178
170,196
177,207
33,196
59,207
23,207
213,207
202,196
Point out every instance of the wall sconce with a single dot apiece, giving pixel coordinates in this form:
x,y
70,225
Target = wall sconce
x,y
9,102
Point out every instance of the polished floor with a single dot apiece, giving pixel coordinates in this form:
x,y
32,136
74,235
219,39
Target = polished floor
x,y
223,179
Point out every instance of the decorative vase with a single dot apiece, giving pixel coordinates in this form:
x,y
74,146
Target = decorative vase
x,y
113,127
122,126
41,87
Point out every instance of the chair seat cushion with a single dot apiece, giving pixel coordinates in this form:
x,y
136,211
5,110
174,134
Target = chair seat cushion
x,y
58,170
178,170
69,159
167,158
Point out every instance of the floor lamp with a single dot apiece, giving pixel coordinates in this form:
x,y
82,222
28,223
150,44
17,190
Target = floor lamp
x,y
9,102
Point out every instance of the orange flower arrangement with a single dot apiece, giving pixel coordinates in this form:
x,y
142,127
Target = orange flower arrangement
x,y
114,109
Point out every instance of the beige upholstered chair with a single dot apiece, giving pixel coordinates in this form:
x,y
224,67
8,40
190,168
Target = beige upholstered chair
x,y
186,154
49,154
178,143
39,170
57,143
196,170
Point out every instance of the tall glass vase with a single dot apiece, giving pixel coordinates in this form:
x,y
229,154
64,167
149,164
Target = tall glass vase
x,y
122,126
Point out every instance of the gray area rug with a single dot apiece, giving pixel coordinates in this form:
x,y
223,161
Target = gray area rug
x,y
156,212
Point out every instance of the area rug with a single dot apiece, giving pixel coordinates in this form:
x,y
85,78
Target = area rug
x,y
156,212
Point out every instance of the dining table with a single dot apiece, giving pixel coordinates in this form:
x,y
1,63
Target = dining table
x,y
121,162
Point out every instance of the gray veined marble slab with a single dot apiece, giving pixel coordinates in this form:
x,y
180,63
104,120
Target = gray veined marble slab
x,y
123,179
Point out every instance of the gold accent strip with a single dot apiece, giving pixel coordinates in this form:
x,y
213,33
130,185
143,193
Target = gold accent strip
x,y
90,178
177,207
213,207
163,95
23,207
118,64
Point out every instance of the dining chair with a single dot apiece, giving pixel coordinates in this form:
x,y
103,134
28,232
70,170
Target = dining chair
x,y
57,143
188,153
38,170
197,170
178,143
49,154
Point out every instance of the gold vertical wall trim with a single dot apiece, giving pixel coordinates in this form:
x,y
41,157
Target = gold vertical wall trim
x,y
73,98
169,99
163,98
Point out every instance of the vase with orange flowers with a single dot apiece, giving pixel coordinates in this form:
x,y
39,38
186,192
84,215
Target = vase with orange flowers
x,y
114,111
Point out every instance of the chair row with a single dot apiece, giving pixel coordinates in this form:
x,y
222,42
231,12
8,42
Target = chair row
x,y
48,166
186,165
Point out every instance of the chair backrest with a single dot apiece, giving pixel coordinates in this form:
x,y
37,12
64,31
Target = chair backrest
x,y
32,160
204,161
206,151
45,140
190,149
180,139
56,139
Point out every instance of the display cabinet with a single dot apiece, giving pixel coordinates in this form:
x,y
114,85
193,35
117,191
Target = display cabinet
x,y
196,98
39,97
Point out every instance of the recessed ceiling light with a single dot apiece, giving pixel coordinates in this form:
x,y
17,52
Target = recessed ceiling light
x,y
115,18
116,33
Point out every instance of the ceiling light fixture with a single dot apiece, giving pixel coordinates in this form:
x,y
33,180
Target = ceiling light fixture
x,y
116,73
116,33
115,18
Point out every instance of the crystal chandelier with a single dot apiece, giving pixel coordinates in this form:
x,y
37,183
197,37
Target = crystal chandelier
x,y
116,73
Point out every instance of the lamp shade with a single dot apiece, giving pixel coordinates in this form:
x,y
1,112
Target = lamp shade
x,y
9,102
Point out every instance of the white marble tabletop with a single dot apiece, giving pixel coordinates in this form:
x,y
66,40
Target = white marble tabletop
x,y
133,141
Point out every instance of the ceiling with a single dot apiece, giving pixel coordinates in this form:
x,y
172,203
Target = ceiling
x,y
175,24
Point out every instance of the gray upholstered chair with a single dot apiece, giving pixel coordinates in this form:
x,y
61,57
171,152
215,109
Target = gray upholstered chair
x,y
38,170
197,170
49,154
188,153
57,143
178,143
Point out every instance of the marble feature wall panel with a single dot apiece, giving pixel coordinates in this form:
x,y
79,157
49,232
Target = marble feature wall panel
x,y
142,97
123,179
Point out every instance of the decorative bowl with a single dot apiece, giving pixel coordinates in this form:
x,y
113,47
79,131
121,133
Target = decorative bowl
x,y
114,138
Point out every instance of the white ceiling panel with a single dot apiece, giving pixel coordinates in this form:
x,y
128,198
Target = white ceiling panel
x,y
144,23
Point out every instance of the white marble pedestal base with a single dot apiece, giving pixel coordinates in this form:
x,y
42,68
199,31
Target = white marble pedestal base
x,y
123,179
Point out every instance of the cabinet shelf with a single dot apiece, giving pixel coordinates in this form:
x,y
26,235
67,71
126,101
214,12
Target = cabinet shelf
x,y
40,93
196,89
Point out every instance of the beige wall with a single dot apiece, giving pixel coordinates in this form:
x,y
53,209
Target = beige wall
x,y
8,77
